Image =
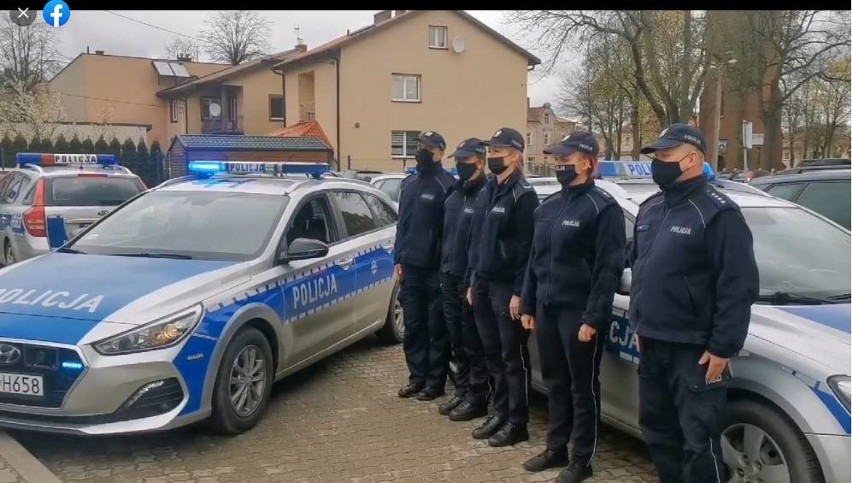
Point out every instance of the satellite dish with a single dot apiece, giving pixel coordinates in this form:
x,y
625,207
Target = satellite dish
x,y
458,45
215,109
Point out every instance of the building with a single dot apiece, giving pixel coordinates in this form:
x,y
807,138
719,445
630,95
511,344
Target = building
x,y
544,128
375,89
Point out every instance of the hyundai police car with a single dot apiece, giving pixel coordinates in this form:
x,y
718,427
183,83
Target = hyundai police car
x,y
789,398
192,298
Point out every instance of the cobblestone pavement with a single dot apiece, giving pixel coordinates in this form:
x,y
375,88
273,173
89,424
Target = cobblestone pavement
x,y
8,473
339,420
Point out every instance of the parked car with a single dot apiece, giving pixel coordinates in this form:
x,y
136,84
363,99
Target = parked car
x,y
390,183
788,409
363,175
52,195
188,301
826,191
826,162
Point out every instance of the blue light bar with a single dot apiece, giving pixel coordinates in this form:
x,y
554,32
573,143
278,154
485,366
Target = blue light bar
x,y
209,168
638,169
51,159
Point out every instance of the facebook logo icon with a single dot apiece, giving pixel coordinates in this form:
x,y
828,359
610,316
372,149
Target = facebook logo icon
x,y
56,13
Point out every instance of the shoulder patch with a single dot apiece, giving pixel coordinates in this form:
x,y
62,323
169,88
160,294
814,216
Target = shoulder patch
x,y
718,199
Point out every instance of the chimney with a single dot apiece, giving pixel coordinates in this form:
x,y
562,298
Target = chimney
x,y
99,52
382,16
184,58
301,46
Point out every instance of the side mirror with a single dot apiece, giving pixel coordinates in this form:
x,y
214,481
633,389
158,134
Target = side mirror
x,y
626,280
303,249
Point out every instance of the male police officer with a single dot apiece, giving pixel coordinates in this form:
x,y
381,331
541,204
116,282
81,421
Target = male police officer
x,y
470,399
417,255
694,280
504,247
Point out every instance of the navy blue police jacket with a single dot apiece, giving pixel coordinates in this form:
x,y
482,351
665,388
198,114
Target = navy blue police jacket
x,y
421,217
458,217
505,237
480,206
694,272
577,255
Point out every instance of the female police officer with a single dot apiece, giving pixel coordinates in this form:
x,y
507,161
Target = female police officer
x,y
574,269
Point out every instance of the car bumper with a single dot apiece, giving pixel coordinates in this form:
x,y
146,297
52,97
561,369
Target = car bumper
x,y
833,454
109,395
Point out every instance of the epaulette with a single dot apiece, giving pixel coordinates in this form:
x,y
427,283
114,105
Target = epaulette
x,y
522,186
718,199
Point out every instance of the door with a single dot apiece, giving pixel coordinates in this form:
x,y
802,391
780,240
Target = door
x,y
316,294
11,217
379,260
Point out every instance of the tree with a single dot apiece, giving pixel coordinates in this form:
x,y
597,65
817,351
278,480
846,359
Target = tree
x,y
142,148
114,147
19,144
666,49
234,37
28,55
128,149
61,144
47,146
29,112
156,153
75,146
181,47
87,147
101,146
34,145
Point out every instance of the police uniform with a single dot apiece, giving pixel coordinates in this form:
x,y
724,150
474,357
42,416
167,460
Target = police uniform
x,y
503,246
694,281
418,250
575,266
471,375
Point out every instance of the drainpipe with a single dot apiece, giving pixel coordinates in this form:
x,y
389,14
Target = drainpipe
x,y
336,57
185,115
283,98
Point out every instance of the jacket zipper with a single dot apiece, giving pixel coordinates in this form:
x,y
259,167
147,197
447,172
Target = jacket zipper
x,y
550,265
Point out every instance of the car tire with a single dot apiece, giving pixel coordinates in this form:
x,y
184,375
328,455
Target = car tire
x,y
393,331
230,417
9,254
780,443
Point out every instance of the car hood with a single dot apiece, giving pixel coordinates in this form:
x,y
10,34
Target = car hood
x,y
819,333
60,297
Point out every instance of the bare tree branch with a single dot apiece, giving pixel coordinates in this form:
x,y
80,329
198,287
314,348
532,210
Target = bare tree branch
x,y
28,55
236,36
181,47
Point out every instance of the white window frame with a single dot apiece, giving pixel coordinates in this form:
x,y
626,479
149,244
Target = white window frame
x,y
409,143
547,118
547,139
531,138
435,39
173,110
406,78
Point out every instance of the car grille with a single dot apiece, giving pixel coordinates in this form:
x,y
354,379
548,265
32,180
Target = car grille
x,y
59,367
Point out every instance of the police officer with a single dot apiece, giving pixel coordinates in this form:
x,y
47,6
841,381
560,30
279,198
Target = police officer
x,y
417,255
575,266
471,393
694,281
503,246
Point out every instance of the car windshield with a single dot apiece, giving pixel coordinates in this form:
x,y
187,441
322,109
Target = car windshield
x,y
799,254
192,224
91,190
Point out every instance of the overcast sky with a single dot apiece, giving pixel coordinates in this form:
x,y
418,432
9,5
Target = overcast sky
x,y
102,30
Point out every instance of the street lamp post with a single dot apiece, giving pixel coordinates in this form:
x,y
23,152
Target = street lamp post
x,y
713,148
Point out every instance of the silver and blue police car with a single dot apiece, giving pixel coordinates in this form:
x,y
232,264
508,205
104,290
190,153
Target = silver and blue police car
x,y
189,300
789,407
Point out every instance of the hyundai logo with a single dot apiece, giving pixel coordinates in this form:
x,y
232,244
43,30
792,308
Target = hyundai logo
x,y
9,354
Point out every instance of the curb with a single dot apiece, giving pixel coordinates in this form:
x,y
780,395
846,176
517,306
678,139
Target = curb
x,y
22,462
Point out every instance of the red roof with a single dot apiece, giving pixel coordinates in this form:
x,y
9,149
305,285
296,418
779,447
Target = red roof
x,y
305,129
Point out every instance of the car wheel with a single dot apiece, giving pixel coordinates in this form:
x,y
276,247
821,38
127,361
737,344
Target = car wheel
x,y
762,444
394,329
9,254
243,383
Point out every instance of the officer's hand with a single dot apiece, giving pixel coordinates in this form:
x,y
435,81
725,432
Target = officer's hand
x,y
586,333
528,321
515,307
715,367
470,296
398,270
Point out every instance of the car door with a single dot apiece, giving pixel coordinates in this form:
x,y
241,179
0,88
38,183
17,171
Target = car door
x,y
828,198
13,210
316,294
375,267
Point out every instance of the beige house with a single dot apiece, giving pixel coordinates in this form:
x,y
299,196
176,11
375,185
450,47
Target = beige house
x,y
375,89
544,128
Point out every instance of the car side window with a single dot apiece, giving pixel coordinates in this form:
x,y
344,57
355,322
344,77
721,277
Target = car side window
x,y
391,187
357,217
14,189
313,220
382,213
29,187
786,191
629,223
829,198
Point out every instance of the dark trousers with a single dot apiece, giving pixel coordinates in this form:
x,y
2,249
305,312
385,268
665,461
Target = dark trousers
x,y
471,374
426,343
681,416
506,354
571,371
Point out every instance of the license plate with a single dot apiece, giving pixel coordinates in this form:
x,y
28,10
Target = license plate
x,y
21,384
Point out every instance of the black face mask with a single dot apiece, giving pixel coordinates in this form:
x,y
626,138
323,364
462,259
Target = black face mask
x,y
497,165
566,174
424,158
663,173
466,170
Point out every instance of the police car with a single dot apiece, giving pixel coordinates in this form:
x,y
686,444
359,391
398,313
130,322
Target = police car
x,y
191,299
789,408
52,195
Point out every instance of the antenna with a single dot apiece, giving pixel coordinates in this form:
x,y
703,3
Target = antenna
x,y
298,39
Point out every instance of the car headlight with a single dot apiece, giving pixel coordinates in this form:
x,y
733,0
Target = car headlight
x,y
159,334
840,387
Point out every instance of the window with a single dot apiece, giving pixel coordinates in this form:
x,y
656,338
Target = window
x,y
232,108
547,139
437,37
90,191
547,118
530,159
406,88
830,199
357,216
787,191
786,156
276,108
382,213
11,193
530,139
312,221
173,110
404,144
391,187
211,110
